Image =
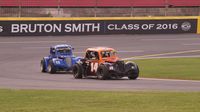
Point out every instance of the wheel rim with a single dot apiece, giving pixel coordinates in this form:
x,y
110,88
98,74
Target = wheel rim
x,y
49,68
100,74
130,73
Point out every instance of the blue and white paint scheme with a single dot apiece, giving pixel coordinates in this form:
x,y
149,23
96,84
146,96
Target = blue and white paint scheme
x,y
61,58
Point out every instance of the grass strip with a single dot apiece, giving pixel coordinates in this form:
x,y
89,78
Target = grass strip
x,y
97,101
174,68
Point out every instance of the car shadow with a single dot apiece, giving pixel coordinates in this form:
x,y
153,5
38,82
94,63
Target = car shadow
x,y
61,73
110,79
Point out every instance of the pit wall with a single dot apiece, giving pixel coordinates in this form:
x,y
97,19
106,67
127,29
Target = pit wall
x,y
98,26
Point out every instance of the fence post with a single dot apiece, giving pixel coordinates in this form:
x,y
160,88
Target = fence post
x,y
199,10
59,8
132,10
166,7
95,8
20,7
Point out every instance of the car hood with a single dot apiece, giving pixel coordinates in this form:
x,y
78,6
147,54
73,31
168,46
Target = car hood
x,y
111,59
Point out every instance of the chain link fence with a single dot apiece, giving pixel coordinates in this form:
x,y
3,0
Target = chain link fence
x,y
97,12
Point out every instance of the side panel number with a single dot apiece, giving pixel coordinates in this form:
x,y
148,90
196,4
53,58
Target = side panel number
x,y
94,67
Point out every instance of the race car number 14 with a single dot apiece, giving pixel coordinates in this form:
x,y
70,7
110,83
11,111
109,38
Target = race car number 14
x,y
94,67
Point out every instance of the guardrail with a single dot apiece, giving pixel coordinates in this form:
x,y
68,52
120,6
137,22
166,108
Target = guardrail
x,y
98,26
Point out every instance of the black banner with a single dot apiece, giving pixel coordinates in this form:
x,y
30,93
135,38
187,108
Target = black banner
x,y
88,27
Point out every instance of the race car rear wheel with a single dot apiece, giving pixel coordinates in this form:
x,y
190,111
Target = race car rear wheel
x,y
51,68
102,72
42,66
132,71
77,71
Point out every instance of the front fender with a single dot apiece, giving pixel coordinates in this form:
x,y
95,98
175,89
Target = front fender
x,y
76,60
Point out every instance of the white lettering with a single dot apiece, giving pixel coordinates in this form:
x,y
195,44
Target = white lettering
x,y
57,28
136,26
87,25
84,27
40,27
48,28
24,28
14,28
68,28
111,26
97,27
76,28
145,26
33,28
123,27
1,28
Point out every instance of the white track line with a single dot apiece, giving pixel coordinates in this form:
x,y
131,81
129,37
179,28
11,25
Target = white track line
x,y
29,42
192,44
162,54
164,57
130,51
170,39
175,80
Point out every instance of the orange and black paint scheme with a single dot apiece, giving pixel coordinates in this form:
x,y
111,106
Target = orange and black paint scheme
x,y
103,63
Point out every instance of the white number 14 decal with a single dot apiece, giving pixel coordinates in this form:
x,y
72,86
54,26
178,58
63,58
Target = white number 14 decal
x,y
94,67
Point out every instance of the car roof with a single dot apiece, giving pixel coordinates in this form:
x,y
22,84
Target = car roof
x,y
62,45
100,49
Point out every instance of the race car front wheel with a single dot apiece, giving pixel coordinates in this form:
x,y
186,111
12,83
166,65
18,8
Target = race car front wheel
x,y
42,66
102,72
77,71
133,70
51,69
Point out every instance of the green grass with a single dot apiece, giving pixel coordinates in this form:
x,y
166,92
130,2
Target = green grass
x,y
95,101
176,68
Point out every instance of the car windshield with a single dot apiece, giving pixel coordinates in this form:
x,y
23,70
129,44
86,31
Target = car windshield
x,y
92,55
64,51
106,54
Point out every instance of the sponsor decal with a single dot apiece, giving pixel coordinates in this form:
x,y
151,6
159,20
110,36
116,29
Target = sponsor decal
x,y
186,26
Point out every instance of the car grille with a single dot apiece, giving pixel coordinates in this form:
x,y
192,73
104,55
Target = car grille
x,y
120,65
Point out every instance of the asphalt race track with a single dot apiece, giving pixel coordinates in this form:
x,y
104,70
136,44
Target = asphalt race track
x,y
20,58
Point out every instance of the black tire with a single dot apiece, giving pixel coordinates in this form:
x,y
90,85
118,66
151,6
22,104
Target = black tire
x,y
132,71
42,66
102,72
51,68
77,71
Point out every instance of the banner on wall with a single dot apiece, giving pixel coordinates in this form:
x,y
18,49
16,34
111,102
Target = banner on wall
x,y
90,27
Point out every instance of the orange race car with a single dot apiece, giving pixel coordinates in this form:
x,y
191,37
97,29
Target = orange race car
x,y
103,63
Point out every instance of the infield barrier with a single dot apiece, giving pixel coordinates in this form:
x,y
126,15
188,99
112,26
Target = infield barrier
x,y
98,26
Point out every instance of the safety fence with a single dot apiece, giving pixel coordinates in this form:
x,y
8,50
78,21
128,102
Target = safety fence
x,y
98,3
98,8
98,12
98,26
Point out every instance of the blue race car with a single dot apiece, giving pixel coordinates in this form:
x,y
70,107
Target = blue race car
x,y
61,58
